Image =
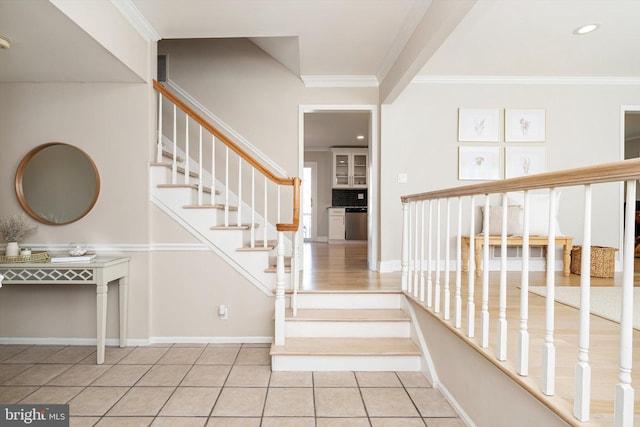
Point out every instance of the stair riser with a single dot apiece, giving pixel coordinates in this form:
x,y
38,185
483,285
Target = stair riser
x,y
348,301
347,329
346,363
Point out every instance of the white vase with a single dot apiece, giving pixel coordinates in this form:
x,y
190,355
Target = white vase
x,y
12,249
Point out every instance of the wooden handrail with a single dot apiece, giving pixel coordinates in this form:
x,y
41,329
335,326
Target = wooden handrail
x,y
294,182
623,170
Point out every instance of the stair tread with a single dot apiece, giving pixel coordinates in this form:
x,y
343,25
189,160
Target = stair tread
x,y
169,155
346,347
233,227
194,186
180,169
256,248
216,206
348,315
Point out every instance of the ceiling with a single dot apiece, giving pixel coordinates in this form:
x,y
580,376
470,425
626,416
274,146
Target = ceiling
x,y
346,38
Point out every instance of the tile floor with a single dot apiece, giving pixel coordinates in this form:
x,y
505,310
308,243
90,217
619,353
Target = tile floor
x,y
213,385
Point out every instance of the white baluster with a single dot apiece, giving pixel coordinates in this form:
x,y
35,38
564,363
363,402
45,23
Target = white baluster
x,y
502,304
549,352
200,176
187,165
582,400
280,302
239,211
421,251
471,308
429,256
458,299
226,187
417,263
404,256
213,170
295,271
410,266
523,336
174,166
447,264
436,299
265,211
159,146
253,207
484,310
623,406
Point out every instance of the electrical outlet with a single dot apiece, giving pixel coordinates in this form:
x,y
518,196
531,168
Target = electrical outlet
x,y
402,178
223,313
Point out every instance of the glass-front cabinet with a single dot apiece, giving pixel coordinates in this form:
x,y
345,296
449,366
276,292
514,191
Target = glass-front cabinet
x,y
350,167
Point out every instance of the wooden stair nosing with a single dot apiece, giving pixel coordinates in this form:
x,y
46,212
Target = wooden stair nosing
x,y
346,347
181,170
347,315
274,270
255,249
169,155
217,206
192,186
234,227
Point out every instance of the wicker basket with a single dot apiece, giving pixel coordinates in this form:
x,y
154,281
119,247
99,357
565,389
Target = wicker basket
x,y
602,260
34,257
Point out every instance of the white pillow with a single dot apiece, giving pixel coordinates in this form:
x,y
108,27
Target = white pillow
x,y
514,220
538,211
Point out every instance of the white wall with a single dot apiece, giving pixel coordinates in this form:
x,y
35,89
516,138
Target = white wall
x,y
324,161
419,137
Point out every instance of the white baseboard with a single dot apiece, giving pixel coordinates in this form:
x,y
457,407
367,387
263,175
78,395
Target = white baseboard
x,y
137,342
494,265
210,340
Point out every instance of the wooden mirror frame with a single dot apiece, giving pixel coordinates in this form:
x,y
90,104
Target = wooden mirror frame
x,y
20,190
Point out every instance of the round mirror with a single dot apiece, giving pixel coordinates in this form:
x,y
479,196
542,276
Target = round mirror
x,y
57,183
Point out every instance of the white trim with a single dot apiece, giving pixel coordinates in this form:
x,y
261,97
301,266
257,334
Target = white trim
x,y
530,80
464,417
136,19
227,130
115,342
210,340
340,81
112,342
374,176
431,373
120,247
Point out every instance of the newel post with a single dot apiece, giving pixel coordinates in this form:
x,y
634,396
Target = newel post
x,y
280,303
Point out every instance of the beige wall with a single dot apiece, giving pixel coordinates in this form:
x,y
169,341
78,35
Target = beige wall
x,y
583,128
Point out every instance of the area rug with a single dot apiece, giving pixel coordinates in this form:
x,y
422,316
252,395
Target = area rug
x,y
605,301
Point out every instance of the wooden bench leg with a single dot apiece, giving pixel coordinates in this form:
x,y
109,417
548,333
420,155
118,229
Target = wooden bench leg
x,y
465,257
566,259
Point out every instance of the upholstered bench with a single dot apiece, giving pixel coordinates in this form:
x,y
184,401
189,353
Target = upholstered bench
x,y
494,240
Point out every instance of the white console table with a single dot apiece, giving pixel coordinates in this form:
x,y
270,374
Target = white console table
x,y
99,272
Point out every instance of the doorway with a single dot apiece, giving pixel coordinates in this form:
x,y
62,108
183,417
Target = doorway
x,y
631,148
311,150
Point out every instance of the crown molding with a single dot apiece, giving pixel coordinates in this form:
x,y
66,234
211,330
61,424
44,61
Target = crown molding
x,y
136,19
527,80
340,81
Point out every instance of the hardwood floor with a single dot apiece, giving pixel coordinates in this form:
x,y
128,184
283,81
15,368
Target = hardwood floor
x,y
344,268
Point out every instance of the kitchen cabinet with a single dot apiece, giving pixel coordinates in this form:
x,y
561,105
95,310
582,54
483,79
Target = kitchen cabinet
x,y
336,224
350,167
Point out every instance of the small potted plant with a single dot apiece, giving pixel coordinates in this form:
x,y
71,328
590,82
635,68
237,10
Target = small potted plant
x,y
13,229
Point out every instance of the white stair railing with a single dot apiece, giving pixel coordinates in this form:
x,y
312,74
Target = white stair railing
x,y
246,164
415,234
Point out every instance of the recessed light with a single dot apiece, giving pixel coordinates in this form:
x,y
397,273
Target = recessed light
x,y
4,43
586,29
360,137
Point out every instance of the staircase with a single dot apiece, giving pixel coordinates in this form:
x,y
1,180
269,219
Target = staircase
x,y
206,222
347,331
212,196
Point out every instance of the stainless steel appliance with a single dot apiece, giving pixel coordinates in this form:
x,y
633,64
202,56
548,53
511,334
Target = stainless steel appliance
x,y
355,223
